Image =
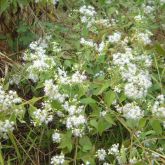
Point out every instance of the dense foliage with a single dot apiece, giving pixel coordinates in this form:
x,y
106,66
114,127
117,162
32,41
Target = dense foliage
x,y
91,90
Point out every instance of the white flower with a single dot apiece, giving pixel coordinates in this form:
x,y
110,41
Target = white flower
x,y
56,137
162,2
89,43
58,159
108,2
88,13
106,163
5,127
52,91
9,101
56,47
133,160
87,10
39,61
76,77
76,123
122,59
103,22
158,108
101,154
137,81
43,115
103,113
101,47
99,74
87,163
73,109
138,17
117,89
115,37
34,77
114,150
138,85
131,111
55,1
148,9
145,37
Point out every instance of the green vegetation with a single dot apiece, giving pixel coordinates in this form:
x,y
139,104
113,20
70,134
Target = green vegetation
x,y
82,82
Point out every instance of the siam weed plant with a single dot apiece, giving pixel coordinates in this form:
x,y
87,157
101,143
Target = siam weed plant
x,y
97,86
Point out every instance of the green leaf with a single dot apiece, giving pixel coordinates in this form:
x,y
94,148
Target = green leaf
x,y
66,141
156,126
101,88
102,125
13,140
1,157
109,119
94,123
85,143
142,122
96,110
87,156
87,100
4,4
109,97
33,100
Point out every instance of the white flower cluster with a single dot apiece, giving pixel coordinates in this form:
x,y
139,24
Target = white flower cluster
x,y
76,124
118,153
75,120
58,159
89,43
15,79
133,160
114,150
43,115
100,48
101,154
39,47
55,47
108,2
103,22
9,101
5,127
138,85
76,77
40,62
145,37
99,74
88,13
158,108
115,37
52,91
162,2
105,163
148,9
56,137
138,18
137,80
131,111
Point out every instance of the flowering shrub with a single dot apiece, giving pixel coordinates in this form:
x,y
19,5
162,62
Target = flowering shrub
x,y
98,85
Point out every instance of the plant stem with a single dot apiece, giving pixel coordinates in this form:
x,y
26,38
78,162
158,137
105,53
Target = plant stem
x,y
76,149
